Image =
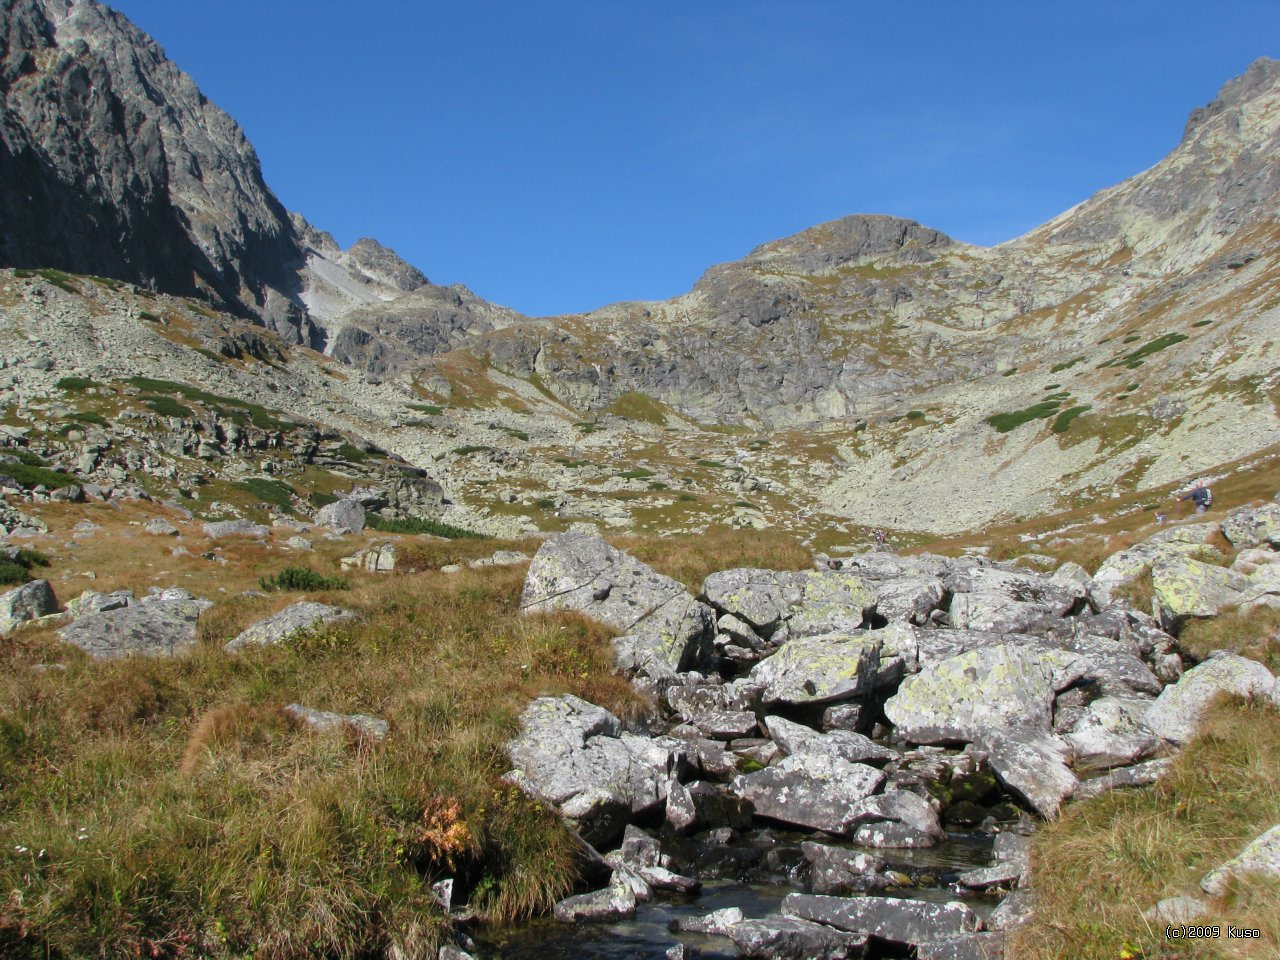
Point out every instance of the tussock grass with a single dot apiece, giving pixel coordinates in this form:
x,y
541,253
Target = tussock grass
x,y
1108,859
168,807
1251,633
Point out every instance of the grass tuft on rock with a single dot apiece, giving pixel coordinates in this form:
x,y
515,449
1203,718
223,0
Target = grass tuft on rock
x,y
1109,859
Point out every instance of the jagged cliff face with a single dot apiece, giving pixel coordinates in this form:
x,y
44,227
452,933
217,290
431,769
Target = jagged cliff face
x,y
114,163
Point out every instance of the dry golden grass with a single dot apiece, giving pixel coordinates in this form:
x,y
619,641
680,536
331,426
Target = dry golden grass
x,y
1108,859
177,809
1251,633
691,559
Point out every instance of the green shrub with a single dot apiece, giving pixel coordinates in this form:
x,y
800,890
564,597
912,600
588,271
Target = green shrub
x,y
588,427
76,384
639,473
716,464
915,414
88,416
275,492
1065,365
1202,323
435,528
318,499
1004,422
169,407
241,411
1010,372
302,578
29,476
63,281
17,569
472,448
429,409
513,432
352,454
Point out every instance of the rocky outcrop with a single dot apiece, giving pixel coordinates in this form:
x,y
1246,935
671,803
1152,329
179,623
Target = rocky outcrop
x,y
161,625
293,620
664,628
27,602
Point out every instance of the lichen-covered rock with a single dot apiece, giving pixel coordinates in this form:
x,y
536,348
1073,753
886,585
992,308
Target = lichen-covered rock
x,y
153,627
790,938
1031,768
810,790
1175,714
1123,778
1253,526
837,870
900,807
234,528
1260,856
964,946
994,688
324,720
342,516
662,623
908,599
378,558
91,602
820,669
831,601
27,602
567,746
1112,733
796,738
760,598
899,921
612,903
1188,588
160,527
1177,910
288,623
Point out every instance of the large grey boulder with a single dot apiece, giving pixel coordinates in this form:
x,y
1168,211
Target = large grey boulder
x,y
293,620
809,790
901,807
1031,768
1187,588
760,598
1260,856
663,625
831,601
154,627
342,516
909,599
568,746
994,688
822,669
1253,526
27,602
898,921
964,946
790,938
795,738
1175,714
378,558
1112,732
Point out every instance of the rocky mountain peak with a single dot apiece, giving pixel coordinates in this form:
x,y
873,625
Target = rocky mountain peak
x,y
851,240
1263,75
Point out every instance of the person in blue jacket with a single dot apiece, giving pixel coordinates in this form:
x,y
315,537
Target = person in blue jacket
x,y
1200,495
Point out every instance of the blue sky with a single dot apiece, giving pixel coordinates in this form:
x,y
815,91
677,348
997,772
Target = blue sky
x,y
557,156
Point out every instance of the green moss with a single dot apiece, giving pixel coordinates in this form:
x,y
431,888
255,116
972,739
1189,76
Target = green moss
x,y
76,384
435,528
1004,422
1062,423
168,407
276,492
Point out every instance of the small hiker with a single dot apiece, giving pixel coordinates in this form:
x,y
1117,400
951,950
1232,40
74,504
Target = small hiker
x,y
1200,495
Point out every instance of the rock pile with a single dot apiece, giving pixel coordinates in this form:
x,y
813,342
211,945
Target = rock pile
x,y
877,703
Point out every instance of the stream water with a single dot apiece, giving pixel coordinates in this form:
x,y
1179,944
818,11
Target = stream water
x,y
648,935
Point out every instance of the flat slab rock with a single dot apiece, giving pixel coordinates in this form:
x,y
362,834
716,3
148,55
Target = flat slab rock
x,y
810,790
791,938
154,627
612,903
895,920
290,622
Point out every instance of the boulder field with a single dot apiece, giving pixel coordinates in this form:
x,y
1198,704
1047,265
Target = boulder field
x,y
878,705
